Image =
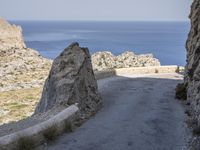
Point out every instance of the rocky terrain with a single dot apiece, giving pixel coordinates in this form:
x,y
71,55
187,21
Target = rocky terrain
x,y
11,36
20,67
70,81
106,60
192,73
22,74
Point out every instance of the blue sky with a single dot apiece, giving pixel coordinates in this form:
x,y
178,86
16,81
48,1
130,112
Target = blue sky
x,y
124,10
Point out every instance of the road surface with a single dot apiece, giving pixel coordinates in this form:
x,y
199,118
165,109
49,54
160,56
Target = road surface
x,y
139,113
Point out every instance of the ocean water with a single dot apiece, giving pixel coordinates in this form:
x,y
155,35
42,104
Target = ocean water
x,y
165,40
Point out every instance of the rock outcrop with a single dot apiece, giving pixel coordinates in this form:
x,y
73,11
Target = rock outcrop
x,y
10,36
71,80
20,67
192,73
106,60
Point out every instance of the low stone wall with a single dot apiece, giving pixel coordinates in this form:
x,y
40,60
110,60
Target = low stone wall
x,y
9,141
139,70
58,119
105,74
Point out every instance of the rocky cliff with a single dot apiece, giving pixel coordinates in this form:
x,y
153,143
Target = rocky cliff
x,y
192,71
71,80
10,36
106,60
22,74
20,67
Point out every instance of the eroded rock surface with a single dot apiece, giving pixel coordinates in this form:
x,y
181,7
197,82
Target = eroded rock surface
x,y
20,67
10,36
71,80
106,60
192,73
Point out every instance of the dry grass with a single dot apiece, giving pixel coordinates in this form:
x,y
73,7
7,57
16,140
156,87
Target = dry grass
x,y
18,104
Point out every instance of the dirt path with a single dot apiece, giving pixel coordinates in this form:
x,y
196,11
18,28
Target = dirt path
x,y
138,114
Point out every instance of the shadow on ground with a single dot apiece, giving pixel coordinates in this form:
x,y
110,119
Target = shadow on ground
x,y
139,112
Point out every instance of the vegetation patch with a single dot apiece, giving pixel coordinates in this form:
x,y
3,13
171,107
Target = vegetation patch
x,y
50,133
68,126
18,104
156,71
181,91
25,143
177,70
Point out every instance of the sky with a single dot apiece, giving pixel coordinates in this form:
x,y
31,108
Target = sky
x,y
96,10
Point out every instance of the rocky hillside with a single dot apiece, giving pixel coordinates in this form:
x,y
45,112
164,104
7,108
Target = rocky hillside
x,y
106,60
20,67
192,73
22,74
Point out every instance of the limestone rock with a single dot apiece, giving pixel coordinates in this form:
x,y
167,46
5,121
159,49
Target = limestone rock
x,y
106,60
10,36
192,72
71,80
20,67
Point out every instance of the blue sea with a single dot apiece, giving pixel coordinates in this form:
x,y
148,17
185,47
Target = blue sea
x,y
165,40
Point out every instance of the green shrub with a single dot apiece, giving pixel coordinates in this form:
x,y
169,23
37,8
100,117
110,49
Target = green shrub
x,y
25,143
68,126
156,71
50,133
181,91
177,70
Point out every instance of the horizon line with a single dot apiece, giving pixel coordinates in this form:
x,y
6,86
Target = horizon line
x,y
99,20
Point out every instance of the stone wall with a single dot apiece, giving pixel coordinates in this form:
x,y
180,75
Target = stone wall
x,y
192,73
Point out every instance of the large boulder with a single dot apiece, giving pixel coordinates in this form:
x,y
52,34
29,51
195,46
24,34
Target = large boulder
x,y
71,80
192,69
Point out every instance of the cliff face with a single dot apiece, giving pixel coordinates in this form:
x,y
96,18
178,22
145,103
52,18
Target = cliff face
x,y
10,36
192,73
20,67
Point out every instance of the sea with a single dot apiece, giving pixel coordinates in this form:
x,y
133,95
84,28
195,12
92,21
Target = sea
x,y
165,40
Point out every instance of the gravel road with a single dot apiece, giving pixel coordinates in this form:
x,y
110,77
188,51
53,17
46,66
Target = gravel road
x,y
139,113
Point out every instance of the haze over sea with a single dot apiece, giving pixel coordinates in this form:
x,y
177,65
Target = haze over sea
x,y
165,40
